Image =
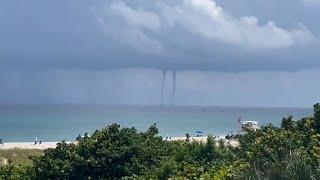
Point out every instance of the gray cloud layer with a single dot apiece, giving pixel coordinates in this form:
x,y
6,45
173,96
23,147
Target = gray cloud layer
x,y
175,34
205,19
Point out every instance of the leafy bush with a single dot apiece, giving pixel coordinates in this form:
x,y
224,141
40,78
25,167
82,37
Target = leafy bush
x,y
12,172
111,153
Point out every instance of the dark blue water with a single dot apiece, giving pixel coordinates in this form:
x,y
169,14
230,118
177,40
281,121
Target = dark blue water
x,y
65,122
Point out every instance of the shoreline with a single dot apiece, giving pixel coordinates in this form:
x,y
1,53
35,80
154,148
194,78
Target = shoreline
x,y
47,145
203,139
29,145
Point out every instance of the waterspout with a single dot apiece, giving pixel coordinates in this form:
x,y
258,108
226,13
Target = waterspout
x,y
173,85
164,73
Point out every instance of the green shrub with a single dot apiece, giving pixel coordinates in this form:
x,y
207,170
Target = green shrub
x,y
111,153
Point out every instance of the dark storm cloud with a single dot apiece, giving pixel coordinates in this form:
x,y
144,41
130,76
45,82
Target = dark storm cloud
x,y
179,34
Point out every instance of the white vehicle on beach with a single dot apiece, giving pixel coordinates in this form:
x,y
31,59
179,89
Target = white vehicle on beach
x,y
254,125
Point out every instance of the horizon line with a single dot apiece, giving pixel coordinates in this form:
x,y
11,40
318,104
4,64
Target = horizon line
x,y
164,105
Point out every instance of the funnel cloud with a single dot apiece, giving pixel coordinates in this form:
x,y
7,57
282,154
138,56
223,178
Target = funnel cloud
x,y
164,73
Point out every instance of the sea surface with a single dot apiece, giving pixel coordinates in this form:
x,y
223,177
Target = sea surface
x,y
22,123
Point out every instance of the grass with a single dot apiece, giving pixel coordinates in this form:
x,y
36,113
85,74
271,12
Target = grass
x,y
18,156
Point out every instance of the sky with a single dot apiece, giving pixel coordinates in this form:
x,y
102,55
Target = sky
x,y
224,52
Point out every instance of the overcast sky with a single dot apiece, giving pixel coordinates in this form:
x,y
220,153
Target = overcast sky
x,y
225,52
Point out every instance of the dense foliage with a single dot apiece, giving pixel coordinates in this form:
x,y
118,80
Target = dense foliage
x,y
291,151
112,153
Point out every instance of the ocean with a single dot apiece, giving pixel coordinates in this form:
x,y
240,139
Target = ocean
x,y
23,123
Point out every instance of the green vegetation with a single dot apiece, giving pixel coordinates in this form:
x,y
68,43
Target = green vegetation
x,y
18,156
289,152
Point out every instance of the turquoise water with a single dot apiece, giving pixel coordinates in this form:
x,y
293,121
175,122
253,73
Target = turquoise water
x,y
65,122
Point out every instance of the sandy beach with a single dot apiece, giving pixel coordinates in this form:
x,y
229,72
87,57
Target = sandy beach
x,y
233,143
29,145
47,145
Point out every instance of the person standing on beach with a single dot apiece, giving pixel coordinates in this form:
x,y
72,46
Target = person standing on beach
x,y
36,141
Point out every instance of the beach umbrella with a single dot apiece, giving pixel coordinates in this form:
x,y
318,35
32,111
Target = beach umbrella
x,y
199,132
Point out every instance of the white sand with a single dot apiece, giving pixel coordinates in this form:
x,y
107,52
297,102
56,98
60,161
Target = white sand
x,y
47,145
29,145
203,139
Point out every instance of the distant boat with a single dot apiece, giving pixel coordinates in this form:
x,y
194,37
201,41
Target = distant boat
x,y
203,109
